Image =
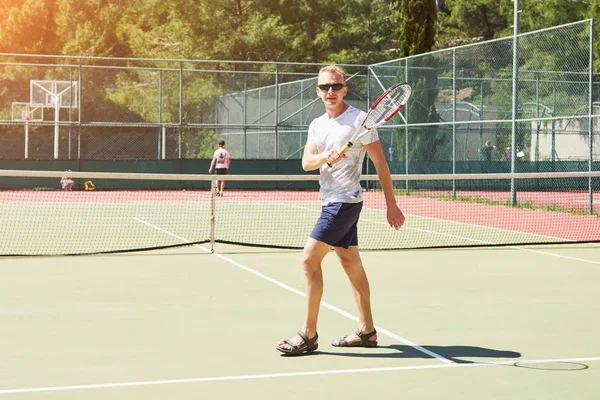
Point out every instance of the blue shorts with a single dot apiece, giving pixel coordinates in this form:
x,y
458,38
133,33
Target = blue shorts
x,y
337,224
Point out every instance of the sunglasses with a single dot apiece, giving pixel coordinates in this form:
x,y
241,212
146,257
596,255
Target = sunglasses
x,y
335,86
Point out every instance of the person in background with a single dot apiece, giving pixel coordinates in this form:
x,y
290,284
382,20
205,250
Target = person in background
x,y
67,183
341,201
485,153
507,154
221,162
520,154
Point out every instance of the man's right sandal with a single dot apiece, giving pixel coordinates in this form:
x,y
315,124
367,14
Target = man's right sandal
x,y
306,346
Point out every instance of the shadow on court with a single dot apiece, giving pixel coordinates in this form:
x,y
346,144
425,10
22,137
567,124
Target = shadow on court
x,y
452,353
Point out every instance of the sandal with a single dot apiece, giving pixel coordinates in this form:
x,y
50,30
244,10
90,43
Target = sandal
x,y
364,340
306,346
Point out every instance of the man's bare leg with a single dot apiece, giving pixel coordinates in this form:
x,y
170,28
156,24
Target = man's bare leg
x,y
314,252
352,264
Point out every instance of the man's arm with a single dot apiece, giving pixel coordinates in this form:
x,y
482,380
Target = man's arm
x,y
394,215
212,164
312,159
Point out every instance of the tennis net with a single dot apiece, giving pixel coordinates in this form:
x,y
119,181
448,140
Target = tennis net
x,y
133,212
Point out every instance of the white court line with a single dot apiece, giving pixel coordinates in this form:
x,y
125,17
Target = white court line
x,y
507,246
556,255
479,226
291,289
287,375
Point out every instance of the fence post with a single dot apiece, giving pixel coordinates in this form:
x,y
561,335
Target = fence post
x,y
180,108
553,128
514,100
590,119
277,104
406,131
79,113
245,116
161,154
454,122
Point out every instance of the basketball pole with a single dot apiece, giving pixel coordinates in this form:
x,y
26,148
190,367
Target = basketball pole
x,y
56,119
26,137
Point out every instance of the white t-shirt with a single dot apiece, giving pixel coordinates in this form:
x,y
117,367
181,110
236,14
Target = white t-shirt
x,y
342,182
221,155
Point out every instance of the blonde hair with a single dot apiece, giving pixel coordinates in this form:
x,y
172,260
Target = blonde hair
x,y
334,69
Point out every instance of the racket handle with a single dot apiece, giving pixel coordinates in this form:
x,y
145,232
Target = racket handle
x,y
342,151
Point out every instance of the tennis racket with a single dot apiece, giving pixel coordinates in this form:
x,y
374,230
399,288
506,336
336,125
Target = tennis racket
x,y
381,111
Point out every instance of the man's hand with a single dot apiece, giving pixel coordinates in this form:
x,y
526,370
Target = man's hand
x,y
334,156
395,217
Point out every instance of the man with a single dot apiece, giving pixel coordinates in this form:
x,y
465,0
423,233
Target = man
x,y
341,199
485,153
221,162
520,154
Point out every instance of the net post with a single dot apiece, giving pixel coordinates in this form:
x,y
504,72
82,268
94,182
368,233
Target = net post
x,y
213,196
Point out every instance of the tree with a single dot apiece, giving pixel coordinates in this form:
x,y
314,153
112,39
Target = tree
x,y
467,21
164,29
417,36
538,15
28,27
89,28
416,33
593,12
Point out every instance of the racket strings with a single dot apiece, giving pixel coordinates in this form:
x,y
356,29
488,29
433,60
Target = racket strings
x,y
401,93
388,105
374,117
398,96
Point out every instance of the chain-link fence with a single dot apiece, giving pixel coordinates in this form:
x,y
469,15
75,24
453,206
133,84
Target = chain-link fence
x,y
462,109
461,116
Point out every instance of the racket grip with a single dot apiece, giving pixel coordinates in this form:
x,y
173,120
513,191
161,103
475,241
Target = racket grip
x,y
342,151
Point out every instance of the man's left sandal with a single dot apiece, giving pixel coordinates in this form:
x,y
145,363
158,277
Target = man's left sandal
x,y
364,340
305,346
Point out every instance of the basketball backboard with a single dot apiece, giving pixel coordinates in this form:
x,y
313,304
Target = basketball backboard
x,y
27,112
54,94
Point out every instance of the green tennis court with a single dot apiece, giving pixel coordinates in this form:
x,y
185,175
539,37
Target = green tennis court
x,y
469,319
494,323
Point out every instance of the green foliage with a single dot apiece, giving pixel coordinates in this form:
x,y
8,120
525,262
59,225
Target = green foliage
x,y
416,33
424,142
294,31
200,144
536,15
416,36
338,31
29,27
473,20
468,21
89,27
161,29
